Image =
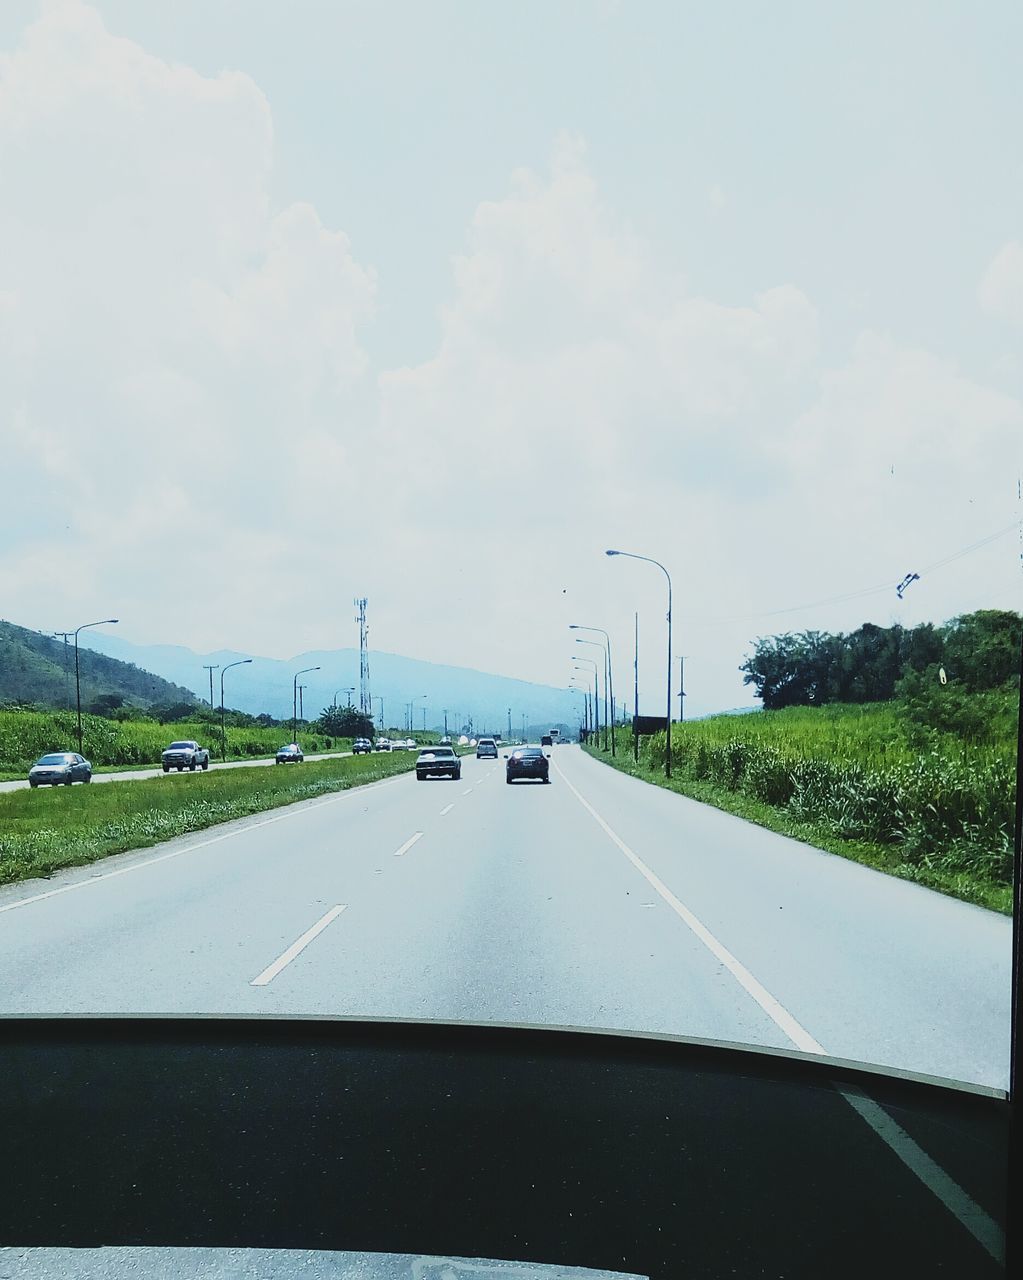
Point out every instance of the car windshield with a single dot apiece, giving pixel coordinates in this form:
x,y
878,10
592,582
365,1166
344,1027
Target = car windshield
x,y
684,345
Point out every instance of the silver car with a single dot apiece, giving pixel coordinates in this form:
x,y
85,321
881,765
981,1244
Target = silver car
x,y
60,768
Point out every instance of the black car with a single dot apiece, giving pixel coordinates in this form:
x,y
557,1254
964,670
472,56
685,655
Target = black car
x,y
59,768
486,749
291,754
438,762
527,762
362,747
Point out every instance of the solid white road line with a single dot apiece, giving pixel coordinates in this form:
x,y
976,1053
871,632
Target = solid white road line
x,y
398,853
980,1225
447,809
282,961
292,812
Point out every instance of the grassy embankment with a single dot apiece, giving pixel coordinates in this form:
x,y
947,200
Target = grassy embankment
x,y
856,781
41,831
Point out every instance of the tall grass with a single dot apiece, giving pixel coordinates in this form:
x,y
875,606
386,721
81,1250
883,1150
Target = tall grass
x,y
854,772
26,735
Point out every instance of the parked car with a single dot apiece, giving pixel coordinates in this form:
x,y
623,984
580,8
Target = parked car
x,y
486,749
185,755
291,754
362,746
527,762
382,744
59,768
438,762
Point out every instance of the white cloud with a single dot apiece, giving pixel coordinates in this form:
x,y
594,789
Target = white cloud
x,y
1001,289
195,436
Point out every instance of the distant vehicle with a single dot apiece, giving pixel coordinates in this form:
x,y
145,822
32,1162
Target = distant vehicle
x,y
361,746
463,741
397,744
486,749
546,740
445,742
438,762
185,755
410,743
527,762
291,754
383,744
59,768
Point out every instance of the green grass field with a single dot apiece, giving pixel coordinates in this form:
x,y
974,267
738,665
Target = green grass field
x,y
41,831
856,780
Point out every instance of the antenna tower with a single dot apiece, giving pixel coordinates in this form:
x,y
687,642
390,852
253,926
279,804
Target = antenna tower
x,y
365,701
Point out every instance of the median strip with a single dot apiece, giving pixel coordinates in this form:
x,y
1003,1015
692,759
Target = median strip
x,y
298,946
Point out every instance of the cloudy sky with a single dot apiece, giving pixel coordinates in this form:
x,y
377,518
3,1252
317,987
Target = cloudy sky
x,y
433,302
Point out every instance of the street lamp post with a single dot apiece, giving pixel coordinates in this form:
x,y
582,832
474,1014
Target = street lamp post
x,y
603,653
574,626
78,680
631,555
381,701
223,732
211,667
301,709
595,719
635,698
294,698
445,724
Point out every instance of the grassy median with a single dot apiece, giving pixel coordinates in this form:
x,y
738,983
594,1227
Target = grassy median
x,y
53,827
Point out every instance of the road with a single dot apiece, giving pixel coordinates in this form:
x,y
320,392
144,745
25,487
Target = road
x,y
133,775
598,901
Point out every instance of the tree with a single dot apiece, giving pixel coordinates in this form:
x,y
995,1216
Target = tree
x,y
982,649
345,722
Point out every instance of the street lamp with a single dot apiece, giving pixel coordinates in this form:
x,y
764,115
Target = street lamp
x,y
575,626
294,698
223,732
596,696
667,718
381,701
78,680
603,653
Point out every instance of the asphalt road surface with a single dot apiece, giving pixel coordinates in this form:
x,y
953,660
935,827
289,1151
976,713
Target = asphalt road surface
x,y
133,775
597,901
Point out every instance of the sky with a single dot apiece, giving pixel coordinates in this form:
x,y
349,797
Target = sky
x,y
432,303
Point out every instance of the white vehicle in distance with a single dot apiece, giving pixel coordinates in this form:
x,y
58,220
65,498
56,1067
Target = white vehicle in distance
x,y
410,743
382,744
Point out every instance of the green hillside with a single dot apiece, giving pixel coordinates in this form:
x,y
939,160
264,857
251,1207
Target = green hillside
x,y
37,670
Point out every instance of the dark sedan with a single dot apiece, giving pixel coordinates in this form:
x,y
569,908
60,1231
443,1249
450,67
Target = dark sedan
x,y
291,754
527,762
438,762
59,768
362,747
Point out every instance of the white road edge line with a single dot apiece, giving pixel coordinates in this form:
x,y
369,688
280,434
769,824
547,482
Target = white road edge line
x,y
447,809
962,1206
398,853
308,807
282,961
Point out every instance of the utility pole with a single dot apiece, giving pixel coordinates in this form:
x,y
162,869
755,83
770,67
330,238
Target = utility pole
x,y
635,698
509,724
211,668
67,666
445,724
682,686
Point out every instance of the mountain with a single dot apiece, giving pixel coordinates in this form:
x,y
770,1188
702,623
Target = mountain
x,y
36,668
266,686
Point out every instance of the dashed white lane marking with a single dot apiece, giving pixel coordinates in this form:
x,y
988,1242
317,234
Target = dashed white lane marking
x,y
962,1206
308,807
408,844
447,809
299,945
467,791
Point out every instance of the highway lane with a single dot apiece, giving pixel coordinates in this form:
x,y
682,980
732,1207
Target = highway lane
x,y
133,775
597,901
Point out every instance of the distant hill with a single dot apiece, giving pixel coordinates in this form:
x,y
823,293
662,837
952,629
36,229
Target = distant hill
x,y
35,668
266,686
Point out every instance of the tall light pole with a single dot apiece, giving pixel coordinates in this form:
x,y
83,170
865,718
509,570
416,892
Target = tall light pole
x,y
104,622
294,698
575,626
635,699
381,701
596,696
631,555
682,685
67,666
301,711
211,667
603,653
223,732
509,724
